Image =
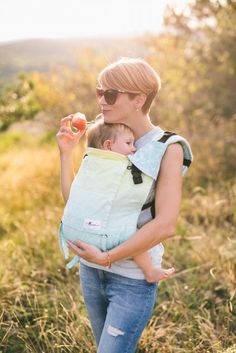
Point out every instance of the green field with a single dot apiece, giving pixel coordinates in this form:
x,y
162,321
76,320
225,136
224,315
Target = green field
x,y
41,305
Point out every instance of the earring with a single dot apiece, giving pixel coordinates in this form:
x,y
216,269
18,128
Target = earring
x,y
137,109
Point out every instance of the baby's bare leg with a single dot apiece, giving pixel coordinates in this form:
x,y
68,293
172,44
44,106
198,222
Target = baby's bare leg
x,y
152,273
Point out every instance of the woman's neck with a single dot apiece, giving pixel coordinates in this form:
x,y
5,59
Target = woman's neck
x,y
140,125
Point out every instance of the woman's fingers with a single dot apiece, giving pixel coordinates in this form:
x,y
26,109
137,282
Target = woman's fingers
x,y
65,135
79,247
82,245
88,252
79,133
66,121
75,248
65,132
65,129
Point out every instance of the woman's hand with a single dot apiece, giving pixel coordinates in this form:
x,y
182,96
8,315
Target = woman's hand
x,y
88,252
66,138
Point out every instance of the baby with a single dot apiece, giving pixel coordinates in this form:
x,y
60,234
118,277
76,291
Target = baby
x,y
119,138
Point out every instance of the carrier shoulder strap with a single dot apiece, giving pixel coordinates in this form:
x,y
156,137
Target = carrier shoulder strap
x,y
186,162
151,205
165,137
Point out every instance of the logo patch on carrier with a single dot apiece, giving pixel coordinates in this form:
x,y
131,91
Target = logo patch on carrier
x,y
92,224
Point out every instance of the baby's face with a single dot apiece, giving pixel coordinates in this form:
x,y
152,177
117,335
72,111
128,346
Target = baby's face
x,y
124,143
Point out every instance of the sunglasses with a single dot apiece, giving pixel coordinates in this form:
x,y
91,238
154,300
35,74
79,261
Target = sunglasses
x,y
110,95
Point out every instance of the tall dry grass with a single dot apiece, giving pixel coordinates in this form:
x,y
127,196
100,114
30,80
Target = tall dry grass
x,y
41,307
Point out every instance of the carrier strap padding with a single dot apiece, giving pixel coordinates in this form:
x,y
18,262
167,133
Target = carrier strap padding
x,y
187,162
151,205
165,137
167,134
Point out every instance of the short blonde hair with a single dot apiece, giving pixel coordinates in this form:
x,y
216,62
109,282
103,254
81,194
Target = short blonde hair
x,y
100,131
133,75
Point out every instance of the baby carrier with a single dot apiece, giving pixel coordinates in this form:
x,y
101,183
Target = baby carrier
x,y
109,192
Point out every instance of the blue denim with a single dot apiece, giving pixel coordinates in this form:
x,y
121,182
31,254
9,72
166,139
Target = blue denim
x,y
118,308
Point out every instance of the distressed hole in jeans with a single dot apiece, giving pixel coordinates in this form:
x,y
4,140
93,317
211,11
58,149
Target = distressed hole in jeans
x,y
113,331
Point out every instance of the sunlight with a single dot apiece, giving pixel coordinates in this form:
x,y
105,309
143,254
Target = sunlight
x,y
74,18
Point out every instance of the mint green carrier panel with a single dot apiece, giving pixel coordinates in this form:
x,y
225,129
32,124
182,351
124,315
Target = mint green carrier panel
x,y
104,203
103,207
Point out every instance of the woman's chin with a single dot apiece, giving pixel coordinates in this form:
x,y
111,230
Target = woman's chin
x,y
105,114
108,118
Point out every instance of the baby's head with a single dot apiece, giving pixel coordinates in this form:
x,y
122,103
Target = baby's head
x,y
114,137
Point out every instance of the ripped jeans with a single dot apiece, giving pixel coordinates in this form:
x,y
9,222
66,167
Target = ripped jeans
x,y
118,308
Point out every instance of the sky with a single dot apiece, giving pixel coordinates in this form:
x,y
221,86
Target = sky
x,y
22,19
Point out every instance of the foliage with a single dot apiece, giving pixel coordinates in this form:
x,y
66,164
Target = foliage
x,y
64,90
18,102
198,71
207,33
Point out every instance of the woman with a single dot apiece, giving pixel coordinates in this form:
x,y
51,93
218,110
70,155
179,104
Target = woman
x,y
119,301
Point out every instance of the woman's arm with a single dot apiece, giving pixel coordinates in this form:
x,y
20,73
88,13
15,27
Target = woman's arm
x,y
67,140
67,174
168,198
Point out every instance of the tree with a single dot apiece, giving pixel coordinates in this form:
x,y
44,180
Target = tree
x,y
18,102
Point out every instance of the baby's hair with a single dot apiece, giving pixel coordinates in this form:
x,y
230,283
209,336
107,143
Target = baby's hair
x,y
100,131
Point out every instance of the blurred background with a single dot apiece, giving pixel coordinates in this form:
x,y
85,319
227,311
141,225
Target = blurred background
x,y
50,55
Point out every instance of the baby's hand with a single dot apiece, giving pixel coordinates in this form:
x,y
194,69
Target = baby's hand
x,y
159,274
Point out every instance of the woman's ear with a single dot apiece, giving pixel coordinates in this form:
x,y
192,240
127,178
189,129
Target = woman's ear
x,y
107,145
140,100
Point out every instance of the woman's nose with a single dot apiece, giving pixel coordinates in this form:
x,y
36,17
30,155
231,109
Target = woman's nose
x,y
102,100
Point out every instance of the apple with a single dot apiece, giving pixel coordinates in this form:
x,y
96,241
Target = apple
x,y
79,121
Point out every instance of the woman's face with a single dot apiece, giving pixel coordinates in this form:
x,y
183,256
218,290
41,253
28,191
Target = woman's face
x,y
120,111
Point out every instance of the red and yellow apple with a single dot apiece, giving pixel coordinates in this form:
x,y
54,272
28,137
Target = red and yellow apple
x,y
79,121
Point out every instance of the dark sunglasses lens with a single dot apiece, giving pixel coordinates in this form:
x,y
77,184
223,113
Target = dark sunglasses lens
x,y
110,96
99,93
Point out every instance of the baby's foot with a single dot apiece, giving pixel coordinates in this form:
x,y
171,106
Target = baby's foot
x,y
159,274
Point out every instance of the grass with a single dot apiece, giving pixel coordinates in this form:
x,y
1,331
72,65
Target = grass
x,y
41,306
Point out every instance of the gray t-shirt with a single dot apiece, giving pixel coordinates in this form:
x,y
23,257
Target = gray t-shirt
x,y
128,267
